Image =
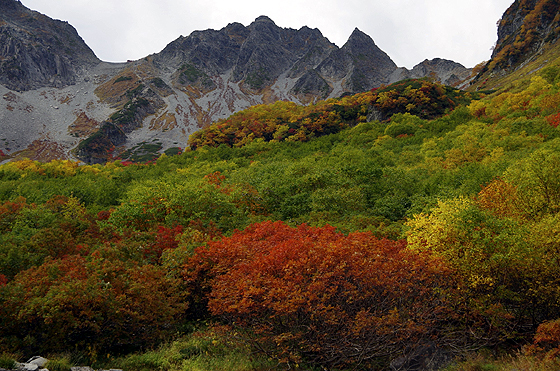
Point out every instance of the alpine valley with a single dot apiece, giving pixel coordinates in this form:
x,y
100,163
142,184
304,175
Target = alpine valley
x,y
256,198
57,93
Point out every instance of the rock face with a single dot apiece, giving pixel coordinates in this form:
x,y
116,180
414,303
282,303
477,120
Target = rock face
x,y
60,101
525,28
36,51
360,64
33,364
38,363
263,56
442,70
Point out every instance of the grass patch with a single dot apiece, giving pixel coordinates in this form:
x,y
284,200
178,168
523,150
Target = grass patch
x,y
58,364
7,361
200,351
517,362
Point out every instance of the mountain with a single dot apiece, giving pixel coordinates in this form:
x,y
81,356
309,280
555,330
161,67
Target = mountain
x,y
528,40
526,27
61,101
442,70
359,64
37,51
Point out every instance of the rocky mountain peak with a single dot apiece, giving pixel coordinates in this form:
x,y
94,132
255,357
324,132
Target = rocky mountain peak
x,y
59,98
360,62
264,29
358,37
36,51
264,19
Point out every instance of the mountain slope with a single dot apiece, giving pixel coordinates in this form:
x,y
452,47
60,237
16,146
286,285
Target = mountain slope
x,y
60,101
528,40
37,51
524,29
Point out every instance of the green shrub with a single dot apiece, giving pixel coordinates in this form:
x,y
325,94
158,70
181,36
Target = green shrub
x,y
61,364
7,362
551,74
158,83
155,360
172,151
122,78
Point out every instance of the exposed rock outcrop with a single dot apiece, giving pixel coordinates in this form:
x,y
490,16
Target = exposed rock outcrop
x,y
525,28
360,64
36,51
33,364
443,71
256,55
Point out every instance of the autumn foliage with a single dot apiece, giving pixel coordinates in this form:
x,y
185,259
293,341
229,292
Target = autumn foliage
x,y
286,121
343,235
95,302
312,294
547,340
527,19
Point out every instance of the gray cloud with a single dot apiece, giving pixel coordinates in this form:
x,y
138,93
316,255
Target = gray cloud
x,y
409,31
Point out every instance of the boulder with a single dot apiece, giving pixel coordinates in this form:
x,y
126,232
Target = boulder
x,y
34,363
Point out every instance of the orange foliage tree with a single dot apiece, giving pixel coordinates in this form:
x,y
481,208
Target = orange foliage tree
x,y
100,303
315,295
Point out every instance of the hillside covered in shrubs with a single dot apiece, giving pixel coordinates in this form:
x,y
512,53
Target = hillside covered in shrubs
x,y
291,236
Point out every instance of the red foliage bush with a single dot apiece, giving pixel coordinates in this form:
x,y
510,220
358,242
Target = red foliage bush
x,y
9,211
553,120
317,295
165,238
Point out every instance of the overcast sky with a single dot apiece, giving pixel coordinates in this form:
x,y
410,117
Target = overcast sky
x,y
409,31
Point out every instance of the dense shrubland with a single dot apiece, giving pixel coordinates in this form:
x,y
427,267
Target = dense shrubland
x,y
286,121
305,235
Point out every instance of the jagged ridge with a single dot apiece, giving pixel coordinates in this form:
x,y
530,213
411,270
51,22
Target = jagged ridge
x,y
59,93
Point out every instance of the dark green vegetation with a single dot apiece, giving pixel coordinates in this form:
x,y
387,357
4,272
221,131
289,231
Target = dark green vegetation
x,y
444,214
122,78
99,147
257,79
189,74
127,114
145,152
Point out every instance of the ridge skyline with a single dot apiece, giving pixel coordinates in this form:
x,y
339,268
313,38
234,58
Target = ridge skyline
x,y
72,104
408,33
